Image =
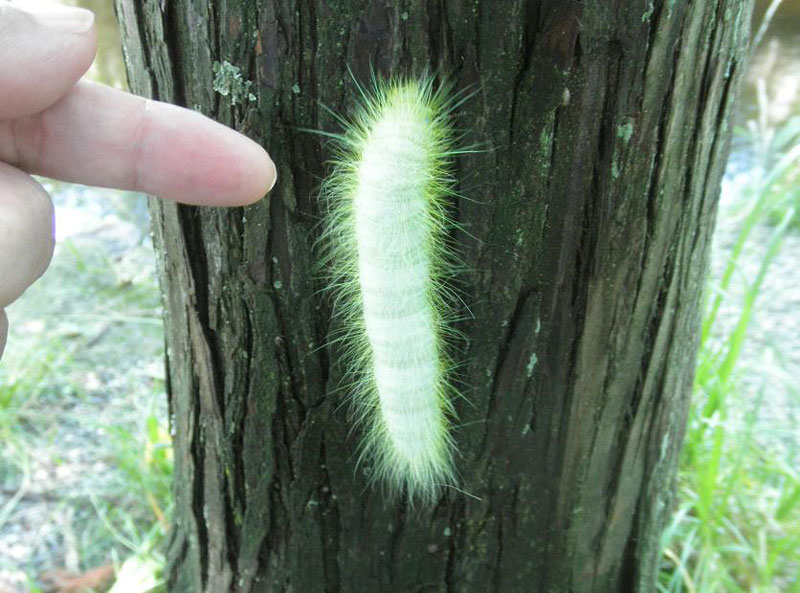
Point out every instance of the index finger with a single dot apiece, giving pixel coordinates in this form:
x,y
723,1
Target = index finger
x,y
100,136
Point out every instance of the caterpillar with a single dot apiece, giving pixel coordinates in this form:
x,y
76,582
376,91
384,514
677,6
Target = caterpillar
x,y
386,245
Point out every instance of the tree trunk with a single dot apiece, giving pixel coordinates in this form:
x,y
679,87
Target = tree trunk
x,y
586,235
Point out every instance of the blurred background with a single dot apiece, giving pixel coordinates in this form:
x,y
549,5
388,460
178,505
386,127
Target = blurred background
x,y
85,458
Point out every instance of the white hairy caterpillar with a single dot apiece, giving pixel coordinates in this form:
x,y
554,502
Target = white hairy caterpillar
x,y
385,240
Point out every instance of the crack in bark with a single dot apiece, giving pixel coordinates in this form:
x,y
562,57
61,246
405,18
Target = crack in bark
x,y
526,45
395,564
500,360
496,573
457,509
330,536
139,9
170,20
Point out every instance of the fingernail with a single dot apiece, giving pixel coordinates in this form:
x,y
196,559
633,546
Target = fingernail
x,y
64,19
274,176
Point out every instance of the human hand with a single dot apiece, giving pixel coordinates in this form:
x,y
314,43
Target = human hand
x,y
53,125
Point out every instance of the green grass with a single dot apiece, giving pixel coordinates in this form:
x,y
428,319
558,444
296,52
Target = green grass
x,y
737,523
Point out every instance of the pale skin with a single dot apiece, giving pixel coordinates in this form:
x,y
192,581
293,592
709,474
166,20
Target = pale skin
x,y
54,124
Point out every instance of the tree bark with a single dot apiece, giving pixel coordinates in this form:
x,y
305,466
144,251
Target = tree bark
x,y
585,232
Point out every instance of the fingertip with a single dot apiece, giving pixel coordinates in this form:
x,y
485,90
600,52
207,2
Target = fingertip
x,y
260,174
273,175
243,172
205,163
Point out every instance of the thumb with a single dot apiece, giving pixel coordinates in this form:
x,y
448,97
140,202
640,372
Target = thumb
x,y
44,49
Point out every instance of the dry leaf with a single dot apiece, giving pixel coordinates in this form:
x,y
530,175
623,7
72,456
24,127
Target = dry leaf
x,y
63,581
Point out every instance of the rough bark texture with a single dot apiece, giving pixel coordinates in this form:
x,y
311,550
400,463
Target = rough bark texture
x,y
589,219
